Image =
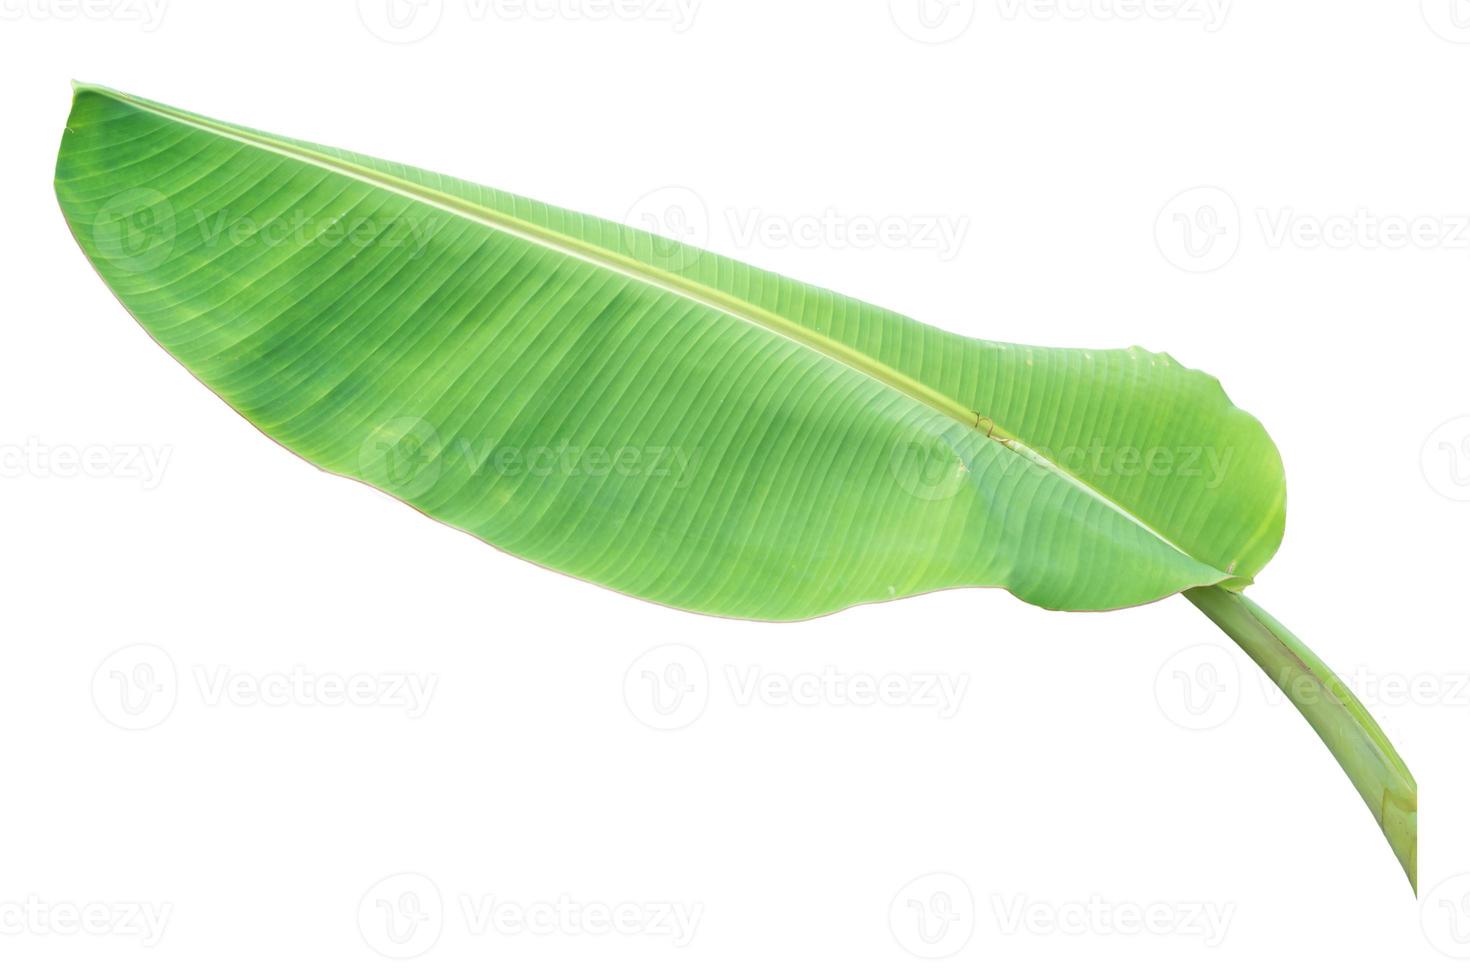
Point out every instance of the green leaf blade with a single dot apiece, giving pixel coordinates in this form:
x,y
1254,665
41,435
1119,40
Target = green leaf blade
x,y
774,450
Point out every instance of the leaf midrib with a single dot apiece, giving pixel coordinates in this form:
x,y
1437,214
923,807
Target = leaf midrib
x,y
697,292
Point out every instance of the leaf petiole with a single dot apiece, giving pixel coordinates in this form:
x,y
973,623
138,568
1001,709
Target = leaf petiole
x,y
1338,717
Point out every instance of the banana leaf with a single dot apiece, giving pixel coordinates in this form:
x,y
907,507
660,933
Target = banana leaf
x,y
671,423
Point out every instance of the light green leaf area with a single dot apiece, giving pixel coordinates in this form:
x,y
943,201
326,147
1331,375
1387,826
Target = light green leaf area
x,y
645,415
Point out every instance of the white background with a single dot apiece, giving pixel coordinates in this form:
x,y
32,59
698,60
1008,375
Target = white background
x,y
1098,768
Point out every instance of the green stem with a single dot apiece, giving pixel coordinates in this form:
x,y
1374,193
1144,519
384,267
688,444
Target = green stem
x,y
1343,724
